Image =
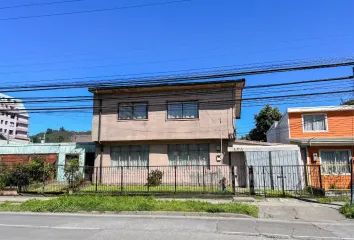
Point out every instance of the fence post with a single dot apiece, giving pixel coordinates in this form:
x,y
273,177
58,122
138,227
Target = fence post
x,y
203,179
271,171
352,182
282,180
264,183
96,179
43,179
175,179
251,179
320,173
148,185
233,180
121,179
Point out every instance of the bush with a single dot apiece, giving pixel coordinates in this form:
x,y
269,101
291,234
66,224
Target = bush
x,y
3,181
154,178
347,210
19,176
72,174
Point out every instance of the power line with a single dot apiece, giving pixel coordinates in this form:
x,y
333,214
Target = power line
x,y
93,11
136,63
186,78
211,102
195,92
40,4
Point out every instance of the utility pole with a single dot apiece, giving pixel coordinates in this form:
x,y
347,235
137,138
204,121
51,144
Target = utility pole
x,y
221,152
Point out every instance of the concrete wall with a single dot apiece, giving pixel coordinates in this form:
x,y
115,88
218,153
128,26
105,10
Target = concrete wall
x,y
157,126
281,133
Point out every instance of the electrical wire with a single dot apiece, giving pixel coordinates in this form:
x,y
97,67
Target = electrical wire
x,y
94,10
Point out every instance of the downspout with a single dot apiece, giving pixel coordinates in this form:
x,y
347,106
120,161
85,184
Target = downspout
x,y
99,138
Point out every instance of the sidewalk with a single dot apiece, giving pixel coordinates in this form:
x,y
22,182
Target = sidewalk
x,y
293,209
21,199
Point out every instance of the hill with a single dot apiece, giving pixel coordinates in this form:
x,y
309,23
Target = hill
x,y
55,136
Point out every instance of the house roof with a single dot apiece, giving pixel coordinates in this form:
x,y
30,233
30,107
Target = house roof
x,y
320,109
346,141
153,85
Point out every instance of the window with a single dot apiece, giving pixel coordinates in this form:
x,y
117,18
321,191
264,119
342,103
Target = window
x,y
5,122
11,124
11,132
0,129
2,121
182,110
13,116
335,161
5,130
188,154
129,111
316,122
133,156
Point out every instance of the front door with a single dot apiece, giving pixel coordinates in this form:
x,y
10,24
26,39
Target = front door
x,y
239,164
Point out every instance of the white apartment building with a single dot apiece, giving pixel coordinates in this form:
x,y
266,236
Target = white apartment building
x,y
13,120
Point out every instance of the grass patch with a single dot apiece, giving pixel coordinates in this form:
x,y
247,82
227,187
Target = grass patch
x,y
347,210
324,200
125,203
157,189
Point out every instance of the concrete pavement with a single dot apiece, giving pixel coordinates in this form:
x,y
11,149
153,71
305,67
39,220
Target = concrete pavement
x,y
21,226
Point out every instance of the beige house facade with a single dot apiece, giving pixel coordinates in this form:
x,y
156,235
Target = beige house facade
x,y
165,125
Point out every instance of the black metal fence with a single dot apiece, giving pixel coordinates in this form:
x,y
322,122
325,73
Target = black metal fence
x,y
295,180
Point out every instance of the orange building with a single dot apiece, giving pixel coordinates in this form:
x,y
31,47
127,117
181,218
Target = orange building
x,y
325,136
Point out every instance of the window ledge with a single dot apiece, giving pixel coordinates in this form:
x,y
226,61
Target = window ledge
x,y
315,131
182,119
131,120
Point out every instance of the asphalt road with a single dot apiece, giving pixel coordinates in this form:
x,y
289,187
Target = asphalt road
x,y
22,226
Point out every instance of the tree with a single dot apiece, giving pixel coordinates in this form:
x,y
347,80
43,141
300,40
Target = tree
x,y
49,131
60,139
35,139
348,102
62,129
263,120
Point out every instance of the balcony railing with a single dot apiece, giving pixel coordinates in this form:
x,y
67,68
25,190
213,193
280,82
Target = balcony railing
x,y
22,129
22,137
21,120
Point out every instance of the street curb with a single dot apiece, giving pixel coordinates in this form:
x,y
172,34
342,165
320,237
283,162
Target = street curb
x,y
141,213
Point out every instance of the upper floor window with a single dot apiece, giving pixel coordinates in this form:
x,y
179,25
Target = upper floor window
x,y
128,111
183,110
314,122
11,124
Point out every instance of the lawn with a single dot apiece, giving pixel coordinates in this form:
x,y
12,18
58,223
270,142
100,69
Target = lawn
x,y
157,189
125,203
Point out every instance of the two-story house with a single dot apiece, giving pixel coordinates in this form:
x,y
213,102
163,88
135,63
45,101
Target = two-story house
x,y
165,124
326,138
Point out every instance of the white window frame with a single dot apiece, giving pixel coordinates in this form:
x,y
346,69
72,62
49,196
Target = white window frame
x,y
312,114
328,174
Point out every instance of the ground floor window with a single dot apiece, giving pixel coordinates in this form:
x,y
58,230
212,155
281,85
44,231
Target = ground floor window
x,y
133,156
335,161
188,154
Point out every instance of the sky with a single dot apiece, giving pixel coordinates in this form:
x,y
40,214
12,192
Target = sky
x,y
196,34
